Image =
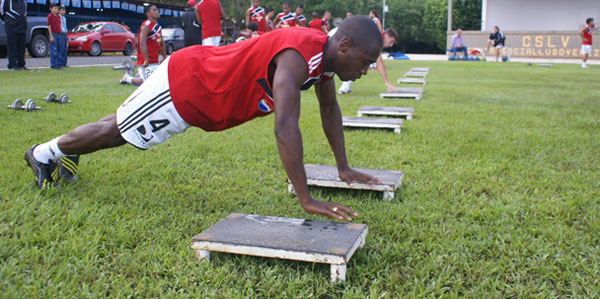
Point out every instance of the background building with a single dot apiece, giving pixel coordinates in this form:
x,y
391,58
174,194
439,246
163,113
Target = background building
x,y
536,28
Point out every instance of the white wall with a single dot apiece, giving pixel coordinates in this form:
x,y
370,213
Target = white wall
x,y
539,15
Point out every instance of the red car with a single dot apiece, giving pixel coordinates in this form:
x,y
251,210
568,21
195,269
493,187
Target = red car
x,y
98,37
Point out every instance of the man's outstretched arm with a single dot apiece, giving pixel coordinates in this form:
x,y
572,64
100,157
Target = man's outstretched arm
x,y
289,75
331,119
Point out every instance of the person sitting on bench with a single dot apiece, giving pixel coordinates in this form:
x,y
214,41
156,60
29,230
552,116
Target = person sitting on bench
x,y
457,43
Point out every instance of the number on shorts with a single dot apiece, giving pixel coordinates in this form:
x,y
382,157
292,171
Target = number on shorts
x,y
159,124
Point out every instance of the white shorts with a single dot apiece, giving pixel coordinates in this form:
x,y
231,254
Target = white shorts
x,y
211,41
500,46
145,72
148,116
586,49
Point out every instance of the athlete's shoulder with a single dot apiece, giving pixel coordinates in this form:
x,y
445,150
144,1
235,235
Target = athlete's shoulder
x,y
147,23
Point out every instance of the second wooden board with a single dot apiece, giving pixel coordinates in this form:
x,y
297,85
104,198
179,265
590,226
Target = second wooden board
x,y
401,95
378,123
411,80
385,111
327,176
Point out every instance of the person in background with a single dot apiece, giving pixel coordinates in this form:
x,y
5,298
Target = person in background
x,y
325,19
54,36
210,13
586,38
497,40
269,17
125,26
348,14
316,22
251,31
300,18
257,15
390,37
64,48
286,18
192,31
14,15
457,43
149,45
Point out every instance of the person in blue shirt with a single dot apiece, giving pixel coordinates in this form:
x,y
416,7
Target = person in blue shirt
x,y
63,47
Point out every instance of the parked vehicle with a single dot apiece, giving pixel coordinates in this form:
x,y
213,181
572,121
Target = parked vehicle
x,y
36,40
97,37
173,38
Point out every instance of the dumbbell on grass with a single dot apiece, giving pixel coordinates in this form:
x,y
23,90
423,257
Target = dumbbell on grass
x,y
127,66
28,106
51,97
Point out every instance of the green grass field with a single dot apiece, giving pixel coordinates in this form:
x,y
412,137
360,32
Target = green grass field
x,y
500,197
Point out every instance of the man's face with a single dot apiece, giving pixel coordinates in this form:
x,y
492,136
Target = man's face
x,y
255,3
355,61
459,32
388,41
62,11
495,30
285,8
348,14
154,13
327,15
299,10
54,9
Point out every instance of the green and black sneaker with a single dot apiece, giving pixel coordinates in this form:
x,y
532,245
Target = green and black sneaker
x,y
67,168
41,171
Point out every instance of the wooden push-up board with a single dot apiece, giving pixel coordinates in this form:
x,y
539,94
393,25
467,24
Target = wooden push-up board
x,y
411,80
545,64
408,89
327,176
385,111
401,95
415,74
378,123
313,241
420,69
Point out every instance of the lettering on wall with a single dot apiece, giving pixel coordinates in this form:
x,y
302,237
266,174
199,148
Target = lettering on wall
x,y
566,45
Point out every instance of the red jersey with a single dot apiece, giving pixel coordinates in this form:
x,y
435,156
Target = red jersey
x,y
257,15
216,88
152,42
210,15
301,19
286,20
587,35
326,23
315,24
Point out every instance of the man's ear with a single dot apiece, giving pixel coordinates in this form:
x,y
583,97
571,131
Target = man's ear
x,y
345,44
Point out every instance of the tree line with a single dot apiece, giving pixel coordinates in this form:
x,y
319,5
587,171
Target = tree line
x,y
421,24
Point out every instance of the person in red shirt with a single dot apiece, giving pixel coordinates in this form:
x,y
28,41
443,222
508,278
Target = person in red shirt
x,y
286,18
55,36
269,17
216,88
209,15
317,23
586,38
257,15
149,45
300,18
325,19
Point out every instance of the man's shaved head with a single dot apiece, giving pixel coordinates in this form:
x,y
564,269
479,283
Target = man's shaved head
x,y
356,44
363,33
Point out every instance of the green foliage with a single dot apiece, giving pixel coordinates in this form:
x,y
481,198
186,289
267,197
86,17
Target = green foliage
x,y
500,198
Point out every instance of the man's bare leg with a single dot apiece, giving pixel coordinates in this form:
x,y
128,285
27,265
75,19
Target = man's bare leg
x,y
85,139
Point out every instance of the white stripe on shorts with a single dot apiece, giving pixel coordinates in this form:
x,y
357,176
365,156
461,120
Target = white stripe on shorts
x,y
148,116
